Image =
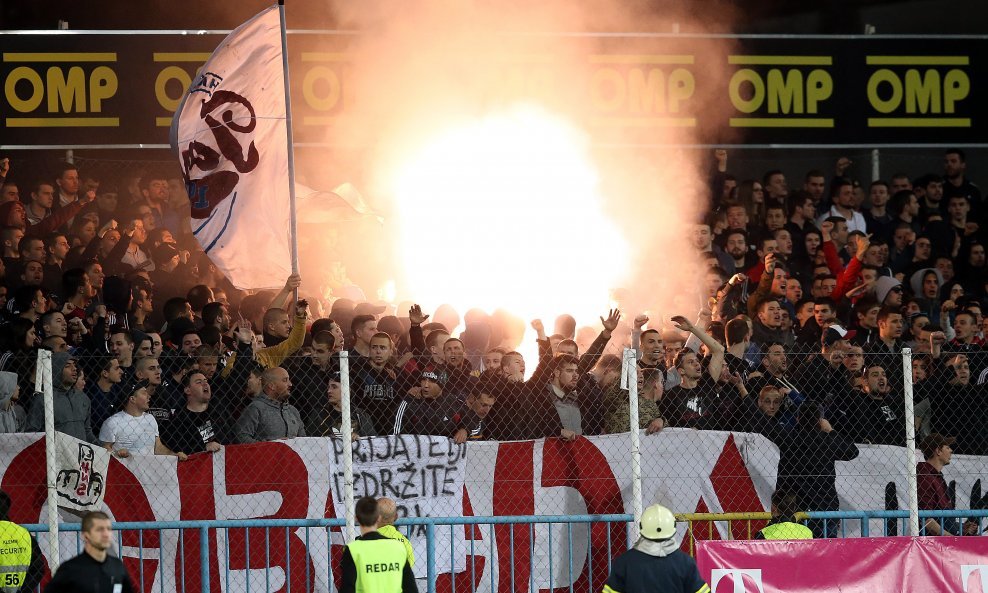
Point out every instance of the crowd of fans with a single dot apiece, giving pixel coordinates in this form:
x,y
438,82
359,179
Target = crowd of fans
x,y
813,293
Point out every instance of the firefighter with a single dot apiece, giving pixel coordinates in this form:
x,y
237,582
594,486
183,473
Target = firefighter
x,y
655,564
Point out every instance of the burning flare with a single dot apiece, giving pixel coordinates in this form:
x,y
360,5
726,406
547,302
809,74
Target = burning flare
x,y
504,211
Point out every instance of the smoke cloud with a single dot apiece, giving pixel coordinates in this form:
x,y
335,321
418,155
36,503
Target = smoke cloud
x,y
421,73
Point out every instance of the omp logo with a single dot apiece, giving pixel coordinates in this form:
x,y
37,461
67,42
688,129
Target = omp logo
x,y
737,575
918,91
642,90
781,91
46,90
176,70
968,569
322,85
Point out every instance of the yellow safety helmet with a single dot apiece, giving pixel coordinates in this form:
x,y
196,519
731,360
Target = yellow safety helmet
x,y
657,523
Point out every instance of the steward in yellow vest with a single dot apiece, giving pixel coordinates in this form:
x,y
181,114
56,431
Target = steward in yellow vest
x,y
784,525
373,563
21,563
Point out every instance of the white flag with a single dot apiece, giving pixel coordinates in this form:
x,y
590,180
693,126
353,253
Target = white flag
x,y
343,204
231,139
82,473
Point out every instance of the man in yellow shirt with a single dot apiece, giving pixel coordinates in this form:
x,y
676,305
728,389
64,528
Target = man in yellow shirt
x,y
386,526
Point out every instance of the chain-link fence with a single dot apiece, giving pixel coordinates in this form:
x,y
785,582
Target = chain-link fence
x,y
206,421
216,426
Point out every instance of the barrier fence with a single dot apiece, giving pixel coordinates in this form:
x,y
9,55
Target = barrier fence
x,y
482,570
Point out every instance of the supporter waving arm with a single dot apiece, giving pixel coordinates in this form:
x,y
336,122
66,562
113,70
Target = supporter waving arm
x,y
415,335
59,217
588,360
716,350
283,300
636,334
830,250
275,355
541,374
847,278
764,286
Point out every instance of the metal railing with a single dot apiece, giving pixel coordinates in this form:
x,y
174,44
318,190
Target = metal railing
x,y
475,573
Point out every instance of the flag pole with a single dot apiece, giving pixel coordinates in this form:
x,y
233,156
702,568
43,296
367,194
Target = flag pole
x,y
292,221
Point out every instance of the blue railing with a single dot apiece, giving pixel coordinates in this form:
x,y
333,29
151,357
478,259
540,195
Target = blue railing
x,y
431,524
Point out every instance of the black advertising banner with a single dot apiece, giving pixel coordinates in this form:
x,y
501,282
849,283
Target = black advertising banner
x,y
102,89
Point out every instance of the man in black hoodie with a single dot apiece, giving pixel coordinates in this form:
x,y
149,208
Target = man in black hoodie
x,y
433,412
806,465
373,383
766,327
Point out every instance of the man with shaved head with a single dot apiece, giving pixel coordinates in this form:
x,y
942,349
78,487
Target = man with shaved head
x,y
386,526
269,416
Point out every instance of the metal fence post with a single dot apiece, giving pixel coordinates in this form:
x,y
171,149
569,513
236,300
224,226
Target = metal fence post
x,y
910,420
430,556
42,379
204,558
347,429
630,368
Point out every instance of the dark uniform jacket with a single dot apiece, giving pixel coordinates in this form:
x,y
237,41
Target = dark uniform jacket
x,y
83,574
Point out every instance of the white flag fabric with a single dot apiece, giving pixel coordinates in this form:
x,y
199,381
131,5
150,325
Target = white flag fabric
x,y
343,204
231,139
82,473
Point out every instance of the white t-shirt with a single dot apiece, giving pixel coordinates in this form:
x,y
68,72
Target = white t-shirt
x,y
856,223
136,434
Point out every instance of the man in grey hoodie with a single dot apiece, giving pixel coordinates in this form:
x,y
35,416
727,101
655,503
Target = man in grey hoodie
x,y
269,416
12,415
71,406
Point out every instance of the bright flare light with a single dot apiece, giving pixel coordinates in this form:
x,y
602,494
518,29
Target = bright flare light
x,y
505,212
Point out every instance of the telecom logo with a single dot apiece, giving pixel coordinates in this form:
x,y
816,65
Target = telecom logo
x,y
981,569
737,575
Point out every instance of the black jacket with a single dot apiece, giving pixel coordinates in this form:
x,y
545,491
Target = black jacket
x,y
806,466
83,574
429,416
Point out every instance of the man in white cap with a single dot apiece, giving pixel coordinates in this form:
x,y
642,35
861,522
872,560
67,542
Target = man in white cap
x,y
655,563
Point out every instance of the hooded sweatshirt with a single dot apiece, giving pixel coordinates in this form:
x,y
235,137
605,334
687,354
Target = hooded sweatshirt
x,y
12,415
883,286
267,420
71,406
931,306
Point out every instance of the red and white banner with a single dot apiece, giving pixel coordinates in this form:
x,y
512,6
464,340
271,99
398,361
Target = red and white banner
x,y
688,471
875,565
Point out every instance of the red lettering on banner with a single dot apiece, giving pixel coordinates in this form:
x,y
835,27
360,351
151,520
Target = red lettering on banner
x,y
84,470
708,531
195,490
580,465
129,502
24,480
470,578
736,490
736,493
245,476
514,494
335,550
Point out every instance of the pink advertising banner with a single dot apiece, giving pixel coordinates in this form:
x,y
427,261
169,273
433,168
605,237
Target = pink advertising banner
x,y
872,565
